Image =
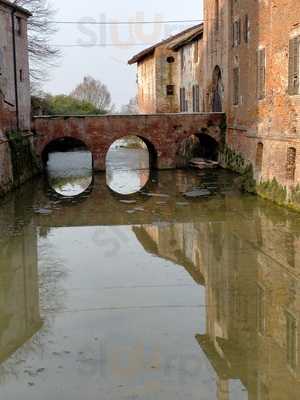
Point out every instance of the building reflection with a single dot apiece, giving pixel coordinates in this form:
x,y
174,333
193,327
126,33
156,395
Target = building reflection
x,y
252,283
19,290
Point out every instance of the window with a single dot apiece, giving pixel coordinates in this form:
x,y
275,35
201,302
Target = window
x,y
260,309
291,336
259,156
183,101
291,163
217,15
261,74
170,90
236,33
294,62
19,26
196,98
21,75
236,86
170,60
196,51
182,58
246,28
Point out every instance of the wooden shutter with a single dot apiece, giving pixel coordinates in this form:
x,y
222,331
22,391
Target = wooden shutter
x,y
261,73
246,28
294,66
236,86
239,33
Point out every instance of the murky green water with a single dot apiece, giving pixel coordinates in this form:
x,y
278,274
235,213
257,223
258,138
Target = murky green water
x,y
152,296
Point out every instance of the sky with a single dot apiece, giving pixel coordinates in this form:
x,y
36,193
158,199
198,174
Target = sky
x,y
109,63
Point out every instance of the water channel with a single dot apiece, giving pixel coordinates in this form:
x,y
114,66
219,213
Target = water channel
x,y
163,285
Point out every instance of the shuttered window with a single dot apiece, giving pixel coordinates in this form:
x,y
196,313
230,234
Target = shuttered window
x,y
246,28
183,102
196,98
236,86
259,156
291,163
291,338
236,33
294,62
261,73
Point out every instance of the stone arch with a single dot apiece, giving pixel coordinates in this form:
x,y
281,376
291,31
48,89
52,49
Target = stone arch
x,y
217,90
62,144
153,154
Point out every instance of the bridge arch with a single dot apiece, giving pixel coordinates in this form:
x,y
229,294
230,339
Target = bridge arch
x,y
209,147
62,145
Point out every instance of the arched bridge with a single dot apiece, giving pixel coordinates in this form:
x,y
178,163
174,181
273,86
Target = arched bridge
x,y
163,133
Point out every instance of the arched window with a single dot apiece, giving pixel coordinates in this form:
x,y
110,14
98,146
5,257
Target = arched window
x,y
259,156
291,163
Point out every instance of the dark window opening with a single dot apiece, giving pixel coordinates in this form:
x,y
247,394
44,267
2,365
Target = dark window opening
x,y
170,90
19,25
21,75
170,60
246,28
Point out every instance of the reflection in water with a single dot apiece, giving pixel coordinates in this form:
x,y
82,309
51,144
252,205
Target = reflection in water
x,y
127,166
161,297
70,173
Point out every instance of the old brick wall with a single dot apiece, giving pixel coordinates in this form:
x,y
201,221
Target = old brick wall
x,y
166,72
165,132
216,50
266,119
146,85
7,81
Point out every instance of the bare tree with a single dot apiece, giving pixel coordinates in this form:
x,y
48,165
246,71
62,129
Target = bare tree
x,y
131,107
40,30
94,92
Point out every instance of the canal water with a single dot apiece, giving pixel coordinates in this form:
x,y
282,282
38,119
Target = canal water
x,y
187,289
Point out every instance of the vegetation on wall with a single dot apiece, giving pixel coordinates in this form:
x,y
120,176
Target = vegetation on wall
x,y
24,161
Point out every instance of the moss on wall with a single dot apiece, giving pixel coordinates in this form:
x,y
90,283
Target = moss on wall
x,y
272,190
24,161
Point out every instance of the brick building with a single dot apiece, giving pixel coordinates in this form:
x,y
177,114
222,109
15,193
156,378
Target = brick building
x,y
14,68
14,83
169,73
252,73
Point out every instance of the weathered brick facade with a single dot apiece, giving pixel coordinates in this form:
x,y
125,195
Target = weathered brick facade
x,y
14,68
249,42
14,83
167,68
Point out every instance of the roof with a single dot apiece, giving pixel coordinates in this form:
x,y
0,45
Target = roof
x,y
181,35
186,38
15,7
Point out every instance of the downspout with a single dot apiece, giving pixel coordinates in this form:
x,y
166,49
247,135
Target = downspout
x,y
15,67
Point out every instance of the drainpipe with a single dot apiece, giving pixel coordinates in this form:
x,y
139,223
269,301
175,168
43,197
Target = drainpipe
x,y
15,67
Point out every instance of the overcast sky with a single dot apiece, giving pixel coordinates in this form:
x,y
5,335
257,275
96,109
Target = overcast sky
x,y
109,64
